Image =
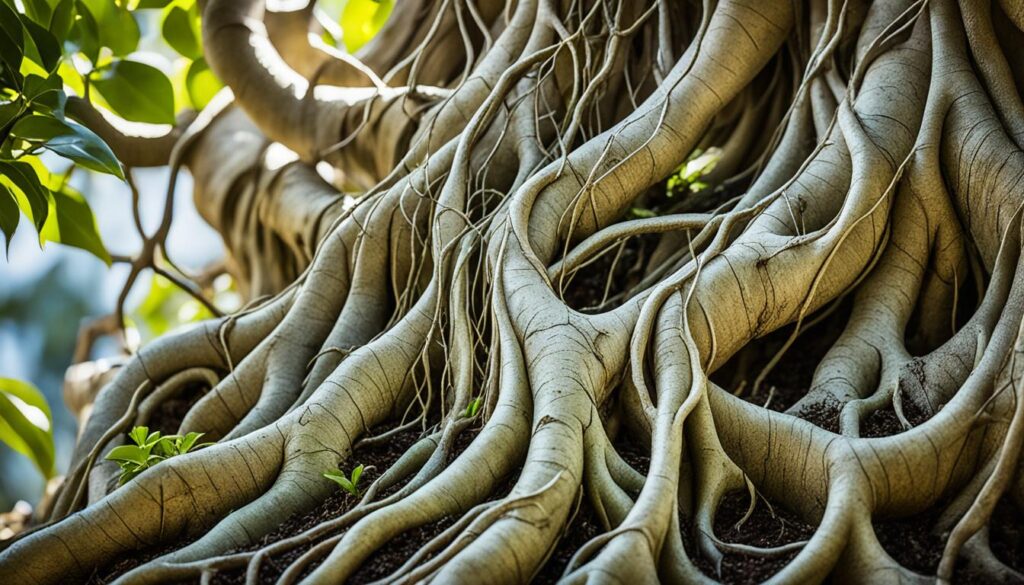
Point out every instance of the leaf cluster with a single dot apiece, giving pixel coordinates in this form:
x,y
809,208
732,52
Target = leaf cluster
x,y
349,483
150,449
49,48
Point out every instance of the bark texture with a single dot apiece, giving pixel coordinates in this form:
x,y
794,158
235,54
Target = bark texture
x,y
443,220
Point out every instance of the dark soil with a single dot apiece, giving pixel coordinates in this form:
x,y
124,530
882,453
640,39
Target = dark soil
x,y
124,564
824,416
789,380
395,553
586,289
168,416
1006,534
583,526
881,423
380,456
911,541
914,415
769,526
637,456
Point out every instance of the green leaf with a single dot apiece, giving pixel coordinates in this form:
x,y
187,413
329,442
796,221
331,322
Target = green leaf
x,y
180,28
139,434
62,19
9,216
134,459
37,10
167,446
700,165
361,19
188,441
137,92
8,111
70,140
12,43
116,26
45,45
144,4
35,197
87,149
28,394
340,479
155,438
38,128
131,453
85,34
472,408
46,94
71,223
356,474
201,84
26,424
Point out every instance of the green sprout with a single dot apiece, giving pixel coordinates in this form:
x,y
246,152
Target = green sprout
x,y
350,483
150,449
687,177
472,408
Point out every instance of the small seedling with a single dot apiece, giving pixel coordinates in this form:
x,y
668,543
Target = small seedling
x,y
150,449
351,483
687,176
472,408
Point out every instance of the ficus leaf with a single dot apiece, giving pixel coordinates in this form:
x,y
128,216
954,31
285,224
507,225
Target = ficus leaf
x,y
131,453
139,434
137,92
61,20
9,215
12,39
70,140
71,223
361,19
35,198
46,47
180,28
201,84
37,10
26,424
84,36
115,25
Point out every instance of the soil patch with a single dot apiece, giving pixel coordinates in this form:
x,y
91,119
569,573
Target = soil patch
x,y
587,287
825,416
1006,534
912,542
583,526
881,423
789,380
380,456
167,417
770,525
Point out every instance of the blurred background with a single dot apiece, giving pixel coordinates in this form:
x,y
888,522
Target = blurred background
x,y
45,294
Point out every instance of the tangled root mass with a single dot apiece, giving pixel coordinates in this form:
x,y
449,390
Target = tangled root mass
x,y
520,235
